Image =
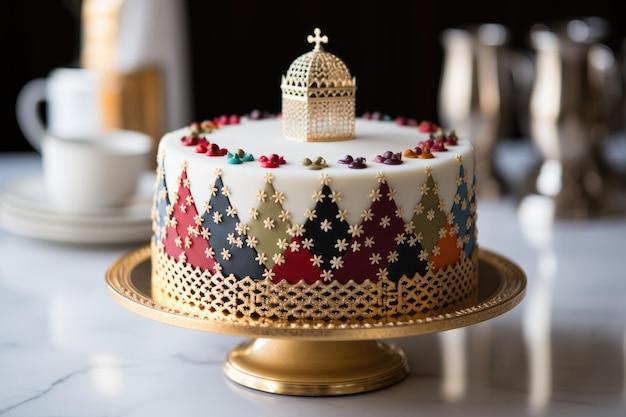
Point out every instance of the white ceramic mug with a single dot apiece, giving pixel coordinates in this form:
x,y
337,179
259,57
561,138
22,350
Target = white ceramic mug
x,y
94,175
73,109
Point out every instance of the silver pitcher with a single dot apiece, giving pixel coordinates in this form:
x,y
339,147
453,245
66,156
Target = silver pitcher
x,y
572,106
475,94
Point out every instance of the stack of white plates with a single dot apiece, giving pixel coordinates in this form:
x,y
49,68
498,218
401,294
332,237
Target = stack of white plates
x,y
25,210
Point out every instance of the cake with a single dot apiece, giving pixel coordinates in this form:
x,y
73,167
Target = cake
x,y
314,217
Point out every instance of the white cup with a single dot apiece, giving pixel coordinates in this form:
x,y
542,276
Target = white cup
x,y
94,175
73,108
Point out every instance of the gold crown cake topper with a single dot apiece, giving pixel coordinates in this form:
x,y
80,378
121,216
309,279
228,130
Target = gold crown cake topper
x,y
318,96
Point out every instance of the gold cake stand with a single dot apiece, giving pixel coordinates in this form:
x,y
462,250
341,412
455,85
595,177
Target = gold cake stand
x,y
318,359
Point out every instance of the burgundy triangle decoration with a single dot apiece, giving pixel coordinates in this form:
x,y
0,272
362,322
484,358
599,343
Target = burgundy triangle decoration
x,y
369,253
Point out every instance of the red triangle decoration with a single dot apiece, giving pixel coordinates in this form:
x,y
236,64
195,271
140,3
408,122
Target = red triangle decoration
x,y
185,239
298,264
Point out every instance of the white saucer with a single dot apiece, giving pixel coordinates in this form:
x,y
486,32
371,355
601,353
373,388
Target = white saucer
x,y
25,210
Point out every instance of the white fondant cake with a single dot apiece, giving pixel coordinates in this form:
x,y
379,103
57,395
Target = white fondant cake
x,y
237,240
347,222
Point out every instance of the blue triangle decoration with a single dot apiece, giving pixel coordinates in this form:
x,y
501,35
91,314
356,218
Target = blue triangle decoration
x,y
469,246
161,201
228,241
461,206
327,219
410,259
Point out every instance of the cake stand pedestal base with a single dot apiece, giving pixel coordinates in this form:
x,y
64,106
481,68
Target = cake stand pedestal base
x,y
317,359
315,368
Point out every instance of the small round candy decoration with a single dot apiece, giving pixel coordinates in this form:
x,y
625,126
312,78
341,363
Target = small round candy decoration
x,y
389,158
448,137
239,157
319,163
354,163
406,121
426,153
191,140
427,127
346,160
215,150
435,145
225,120
413,153
272,161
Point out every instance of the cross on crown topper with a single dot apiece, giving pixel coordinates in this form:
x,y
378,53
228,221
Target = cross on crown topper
x,y
317,39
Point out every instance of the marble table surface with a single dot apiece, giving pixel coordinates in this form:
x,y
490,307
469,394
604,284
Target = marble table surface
x,y
68,349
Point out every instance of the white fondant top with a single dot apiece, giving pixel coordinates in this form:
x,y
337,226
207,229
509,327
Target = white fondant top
x,y
298,183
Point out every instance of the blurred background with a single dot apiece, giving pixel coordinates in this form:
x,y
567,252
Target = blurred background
x,y
238,50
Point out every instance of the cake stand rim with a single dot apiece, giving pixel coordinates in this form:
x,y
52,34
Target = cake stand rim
x,y
511,289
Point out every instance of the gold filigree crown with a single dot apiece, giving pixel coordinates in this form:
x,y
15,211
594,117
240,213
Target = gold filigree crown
x,y
318,96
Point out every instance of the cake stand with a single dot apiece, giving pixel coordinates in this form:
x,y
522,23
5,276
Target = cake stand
x,y
317,359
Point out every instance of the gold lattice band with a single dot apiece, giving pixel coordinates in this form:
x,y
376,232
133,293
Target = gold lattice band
x,y
203,294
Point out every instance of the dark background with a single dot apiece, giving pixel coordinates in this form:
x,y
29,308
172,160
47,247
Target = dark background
x,y
241,48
